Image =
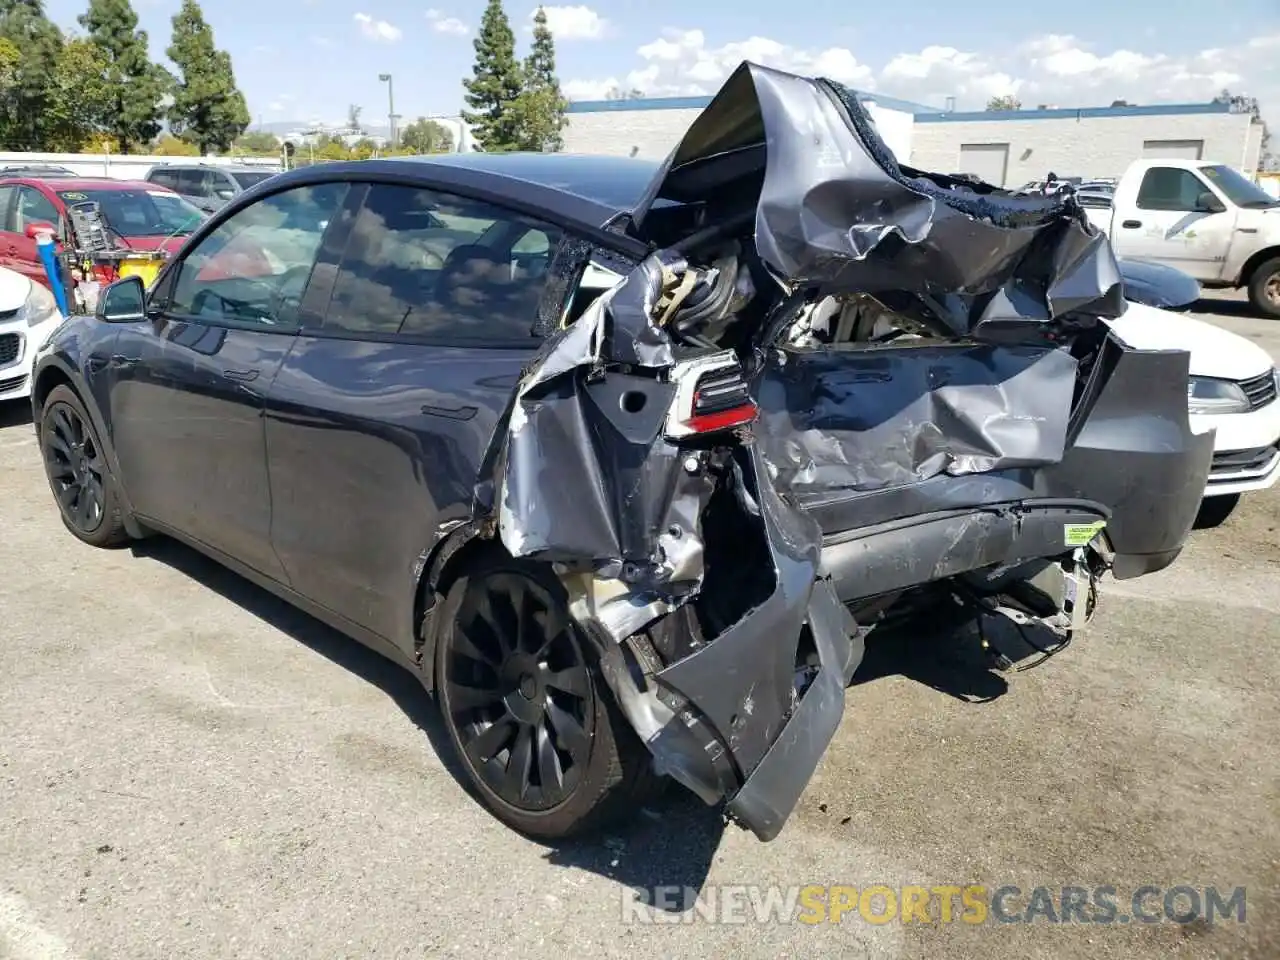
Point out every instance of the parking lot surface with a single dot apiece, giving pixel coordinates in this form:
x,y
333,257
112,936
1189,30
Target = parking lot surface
x,y
189,768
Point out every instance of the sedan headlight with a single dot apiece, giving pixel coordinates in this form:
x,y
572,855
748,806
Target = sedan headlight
x,y
40,305
1207,395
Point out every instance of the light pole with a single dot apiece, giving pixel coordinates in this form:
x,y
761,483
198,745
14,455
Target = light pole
x,y
391,108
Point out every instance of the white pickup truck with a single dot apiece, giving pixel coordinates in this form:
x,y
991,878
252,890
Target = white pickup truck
x,y
1206,219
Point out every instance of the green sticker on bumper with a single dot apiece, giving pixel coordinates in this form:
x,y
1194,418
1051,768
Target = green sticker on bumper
x,y
1081,534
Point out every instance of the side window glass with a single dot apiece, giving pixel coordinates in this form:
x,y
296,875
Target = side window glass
x,y
8,217
34,205
1168,188
254,267
426,264
163,178
191,182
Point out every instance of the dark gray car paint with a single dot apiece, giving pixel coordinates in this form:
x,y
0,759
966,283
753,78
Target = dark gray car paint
x,y
445,442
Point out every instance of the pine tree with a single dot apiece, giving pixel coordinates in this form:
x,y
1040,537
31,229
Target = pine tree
x,y
138,85
208,110
26,99
495,84
541,106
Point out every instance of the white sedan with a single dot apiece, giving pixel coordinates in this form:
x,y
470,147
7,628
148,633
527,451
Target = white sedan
x,y
1233,389
28,314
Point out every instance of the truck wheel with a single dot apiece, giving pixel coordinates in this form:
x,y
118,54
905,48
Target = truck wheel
x,y
526,708
1214,511
1264,288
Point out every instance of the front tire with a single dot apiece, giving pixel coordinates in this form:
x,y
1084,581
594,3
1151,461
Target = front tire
x,y
1214,511
527,711
1264,288
83,486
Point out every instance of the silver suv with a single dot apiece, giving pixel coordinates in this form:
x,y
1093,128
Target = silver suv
x,y
207,187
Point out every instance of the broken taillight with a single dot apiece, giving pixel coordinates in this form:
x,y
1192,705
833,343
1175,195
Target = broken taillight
x,y
711,395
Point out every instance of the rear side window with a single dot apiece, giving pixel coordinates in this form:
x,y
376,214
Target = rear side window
x,y
165,178
194,183
1170,188
8,220
420,263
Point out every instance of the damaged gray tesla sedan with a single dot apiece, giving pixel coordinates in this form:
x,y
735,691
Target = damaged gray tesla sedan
x,y
628,463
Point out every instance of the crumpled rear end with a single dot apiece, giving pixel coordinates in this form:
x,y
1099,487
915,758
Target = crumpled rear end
x,y
835,380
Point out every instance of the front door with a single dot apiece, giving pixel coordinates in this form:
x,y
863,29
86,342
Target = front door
x,y
191,381
1167,227
379,419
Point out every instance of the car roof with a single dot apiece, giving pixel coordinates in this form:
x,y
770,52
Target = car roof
x,y
73,184
589,189
228,167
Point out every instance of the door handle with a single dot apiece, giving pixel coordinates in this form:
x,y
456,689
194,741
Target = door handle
x,y
12,251
453,413
1131,224
241,376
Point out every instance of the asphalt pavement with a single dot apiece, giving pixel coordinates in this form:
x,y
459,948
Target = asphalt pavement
x,y
191,769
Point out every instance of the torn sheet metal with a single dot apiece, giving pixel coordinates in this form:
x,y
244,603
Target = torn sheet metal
x,y
587,473
835,210
873,418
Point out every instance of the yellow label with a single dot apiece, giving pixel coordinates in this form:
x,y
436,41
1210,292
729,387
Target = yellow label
x,y
1081,534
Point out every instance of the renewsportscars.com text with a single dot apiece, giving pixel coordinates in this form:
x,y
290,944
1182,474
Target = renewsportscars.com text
x,y
974,904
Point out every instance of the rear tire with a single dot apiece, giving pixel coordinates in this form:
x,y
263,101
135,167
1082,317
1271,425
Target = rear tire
x,y
532,721
83,485
1214,511
1264,288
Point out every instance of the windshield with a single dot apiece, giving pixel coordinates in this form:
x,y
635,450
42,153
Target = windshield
x,y
1239,189
140,213
247,180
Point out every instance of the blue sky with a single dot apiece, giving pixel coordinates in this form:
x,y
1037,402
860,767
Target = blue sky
x,y
300,60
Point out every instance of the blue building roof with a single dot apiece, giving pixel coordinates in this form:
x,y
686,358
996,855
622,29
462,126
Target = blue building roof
x,y
697,103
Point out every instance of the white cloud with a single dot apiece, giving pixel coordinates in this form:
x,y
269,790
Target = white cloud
x,y
1057,69
573,23
450,25
680,63
377,30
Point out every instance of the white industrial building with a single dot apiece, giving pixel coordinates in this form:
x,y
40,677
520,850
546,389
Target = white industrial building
x,y
1007,148
651,128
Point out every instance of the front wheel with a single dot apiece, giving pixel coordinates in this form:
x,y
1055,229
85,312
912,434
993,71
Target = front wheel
x,y
1264,288
79,476
1214,511
526,708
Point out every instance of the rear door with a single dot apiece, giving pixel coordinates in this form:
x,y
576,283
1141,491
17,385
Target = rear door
x,y
1167,228
189,383
415,334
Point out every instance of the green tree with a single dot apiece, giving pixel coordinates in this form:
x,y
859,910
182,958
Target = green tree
x,y
258,142
24,101
208,110
170,146
1006,101
80,100
495,84
137,84
426,136
540,108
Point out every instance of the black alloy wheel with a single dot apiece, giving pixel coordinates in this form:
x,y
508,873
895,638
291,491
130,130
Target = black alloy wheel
x,y
525,706
78,473
516,685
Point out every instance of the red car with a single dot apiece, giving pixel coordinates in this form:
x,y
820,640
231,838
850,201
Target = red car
x,y
141,216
